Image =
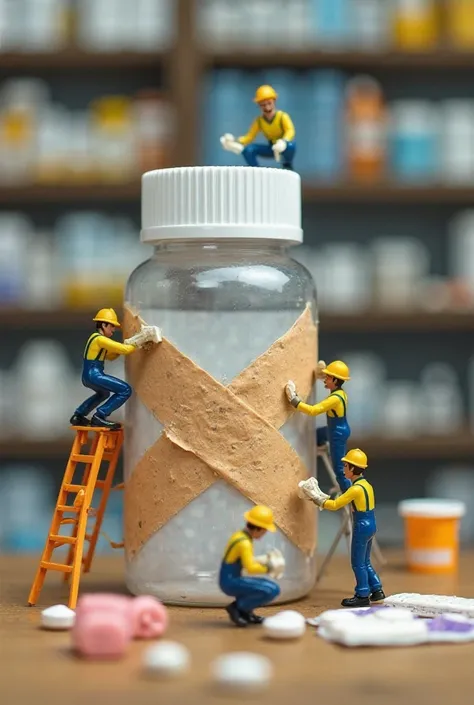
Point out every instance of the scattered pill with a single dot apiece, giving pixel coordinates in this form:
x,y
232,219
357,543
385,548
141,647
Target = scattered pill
x,y
58,617
167,658
242,670
285,625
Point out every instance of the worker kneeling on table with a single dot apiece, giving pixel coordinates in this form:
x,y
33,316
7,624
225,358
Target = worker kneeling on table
x,y
250,592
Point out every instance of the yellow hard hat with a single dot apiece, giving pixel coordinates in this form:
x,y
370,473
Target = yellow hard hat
x,y
356,457
107,315
265,93
261,516
337,369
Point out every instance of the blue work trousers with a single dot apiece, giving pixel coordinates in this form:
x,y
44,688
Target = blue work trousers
x,y
364,529
249,592
252,151
103,385
338,434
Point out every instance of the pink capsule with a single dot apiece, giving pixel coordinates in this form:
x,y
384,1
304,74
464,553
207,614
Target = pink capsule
x,y
102,635
149,617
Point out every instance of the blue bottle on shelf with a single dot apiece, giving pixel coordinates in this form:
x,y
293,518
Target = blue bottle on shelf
x,y
325,125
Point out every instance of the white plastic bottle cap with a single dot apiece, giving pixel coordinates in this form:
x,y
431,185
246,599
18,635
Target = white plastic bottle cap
x,y
58,617
243,670
207,202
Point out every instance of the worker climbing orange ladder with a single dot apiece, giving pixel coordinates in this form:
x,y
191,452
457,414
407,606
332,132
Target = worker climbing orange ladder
x,y
105,446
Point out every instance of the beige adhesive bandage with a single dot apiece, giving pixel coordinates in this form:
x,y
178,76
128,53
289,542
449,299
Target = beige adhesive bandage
x,y
216,432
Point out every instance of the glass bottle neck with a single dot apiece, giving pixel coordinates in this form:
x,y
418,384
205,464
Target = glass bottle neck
x,y
221,246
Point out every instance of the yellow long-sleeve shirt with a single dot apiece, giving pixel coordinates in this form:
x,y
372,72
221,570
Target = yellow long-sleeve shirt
x,y
99,347
240,546
280,128
363,500
334,405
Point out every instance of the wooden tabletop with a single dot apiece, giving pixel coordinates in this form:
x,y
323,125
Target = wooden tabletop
x,y
38,667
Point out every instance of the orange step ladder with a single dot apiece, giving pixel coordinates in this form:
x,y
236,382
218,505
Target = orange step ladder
x,y
105,446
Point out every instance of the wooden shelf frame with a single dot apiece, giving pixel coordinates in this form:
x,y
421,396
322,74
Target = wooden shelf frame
x,y
458,446
364,322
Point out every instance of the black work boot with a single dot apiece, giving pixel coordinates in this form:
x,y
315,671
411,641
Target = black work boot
x,y
79,420
377,596
235,615
356,601
252,618
105,423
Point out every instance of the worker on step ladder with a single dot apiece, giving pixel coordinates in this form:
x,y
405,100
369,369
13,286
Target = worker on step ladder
x,y
101,347
102,442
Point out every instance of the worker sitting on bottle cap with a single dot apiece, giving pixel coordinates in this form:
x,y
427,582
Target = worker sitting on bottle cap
x,y
274,124
101,347
250,592
335,408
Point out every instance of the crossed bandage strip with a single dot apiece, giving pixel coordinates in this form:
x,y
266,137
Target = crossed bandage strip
x,y
213,432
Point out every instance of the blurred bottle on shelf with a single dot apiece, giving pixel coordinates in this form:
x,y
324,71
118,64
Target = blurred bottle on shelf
x,y
153,119
330,20
365,129
26,506
121,25
461,248
366,390
42,377
324,124
41,281
460,24
414,141
457,141
370,24
346,277
113,137
441,398
400,265
46,26
15,236
416,24
20,103
401,411
53,144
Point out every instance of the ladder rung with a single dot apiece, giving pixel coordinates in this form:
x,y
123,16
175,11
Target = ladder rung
x,y
73,488
56,566
62,539
67,508
78,458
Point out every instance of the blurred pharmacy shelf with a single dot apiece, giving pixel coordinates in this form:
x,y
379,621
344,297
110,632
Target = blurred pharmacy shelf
x,y
67,193
371,320
77,59
449,447
386,193
351,60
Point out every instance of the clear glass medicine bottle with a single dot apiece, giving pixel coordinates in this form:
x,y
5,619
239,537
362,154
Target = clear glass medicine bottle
x,y
222,287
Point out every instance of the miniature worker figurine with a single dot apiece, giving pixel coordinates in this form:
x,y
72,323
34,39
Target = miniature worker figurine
x,y
361,494
250,592
99,348
335,408
275,125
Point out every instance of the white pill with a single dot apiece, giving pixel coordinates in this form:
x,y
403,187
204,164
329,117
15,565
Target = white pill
x,y
58,617
285,625
166,658
243,670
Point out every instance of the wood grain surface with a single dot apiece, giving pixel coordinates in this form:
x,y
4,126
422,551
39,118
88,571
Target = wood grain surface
x,y
38,667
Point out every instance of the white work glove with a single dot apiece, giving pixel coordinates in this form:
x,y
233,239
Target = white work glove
x,y
147,334
229,143
278,148
275,563
291,395
309,489
319,369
